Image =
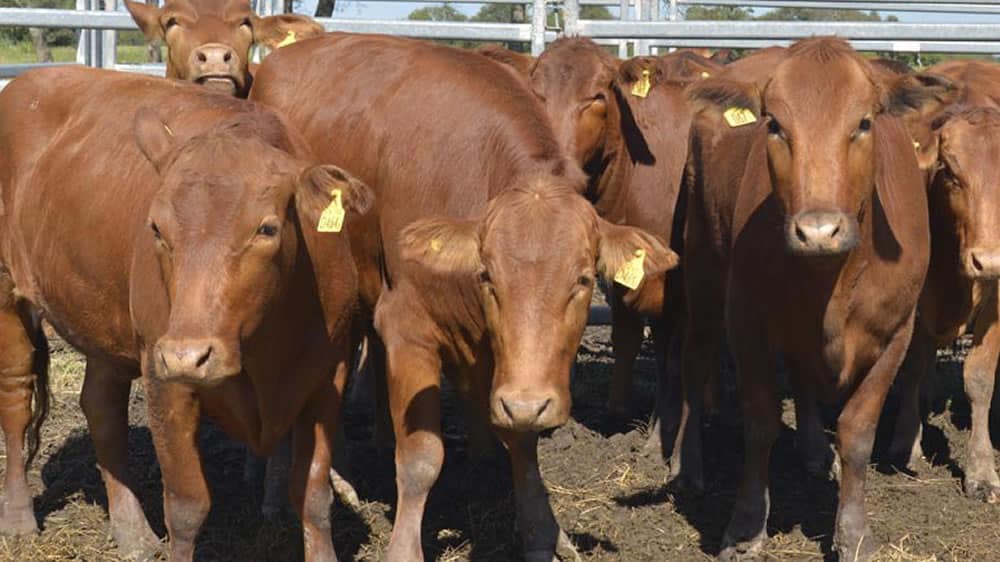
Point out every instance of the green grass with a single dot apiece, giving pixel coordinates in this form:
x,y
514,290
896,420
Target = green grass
x,y
16,53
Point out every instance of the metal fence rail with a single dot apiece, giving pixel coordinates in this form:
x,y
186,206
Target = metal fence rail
x,y
639,28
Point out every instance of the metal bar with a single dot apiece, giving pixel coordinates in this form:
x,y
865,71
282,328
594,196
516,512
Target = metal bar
x,y
14,70
855,5
537,27
623,16
109,38
83,46
791,30
571,16
981,47
979,2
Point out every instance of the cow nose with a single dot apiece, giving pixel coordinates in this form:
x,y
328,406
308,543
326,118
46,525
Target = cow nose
x,y
981,263
526,412
819,233
187,358
215,65
214,54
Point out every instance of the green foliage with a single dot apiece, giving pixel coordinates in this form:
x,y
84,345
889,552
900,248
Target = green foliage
x,y
813,14
54,37
717,13
444,12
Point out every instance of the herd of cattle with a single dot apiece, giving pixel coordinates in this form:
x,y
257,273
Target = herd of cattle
x,y
452,209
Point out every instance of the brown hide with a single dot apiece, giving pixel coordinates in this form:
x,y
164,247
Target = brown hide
x,y
482,259
194,223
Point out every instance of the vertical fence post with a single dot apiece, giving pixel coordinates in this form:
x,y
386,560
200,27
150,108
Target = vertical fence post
x,y
571,17
96,46
623,16
83,47
538,27
674,11
642,8
109,39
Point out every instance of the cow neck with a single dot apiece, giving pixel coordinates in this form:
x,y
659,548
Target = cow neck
x,y
608,175
945,281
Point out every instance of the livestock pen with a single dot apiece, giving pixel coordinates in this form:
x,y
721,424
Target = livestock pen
x,y
607,489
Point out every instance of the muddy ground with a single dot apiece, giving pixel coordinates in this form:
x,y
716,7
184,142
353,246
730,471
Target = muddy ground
x,y
608,495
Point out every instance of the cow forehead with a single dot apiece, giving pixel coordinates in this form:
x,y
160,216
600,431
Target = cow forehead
x,y
971,141
228,170
570,67
224,9
539,227
831,86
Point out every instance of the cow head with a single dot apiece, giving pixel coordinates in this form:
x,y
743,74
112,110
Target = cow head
x,y
821,112
534,256
208,41
227,227
966,187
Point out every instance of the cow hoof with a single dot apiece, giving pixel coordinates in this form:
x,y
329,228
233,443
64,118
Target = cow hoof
x,y
982,490
858,550
741,551
17,521
565,549
136,542
906,458
345,491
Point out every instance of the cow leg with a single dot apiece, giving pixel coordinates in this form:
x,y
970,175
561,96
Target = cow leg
x,y
414,384
981,481
761,406
174,412
340,465
855,438
699,360
383,434
104,400
810,435
541,536
626,341
310,491
905,449
276,478
668,403
17,386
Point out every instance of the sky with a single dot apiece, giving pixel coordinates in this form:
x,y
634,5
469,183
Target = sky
x,y
381,9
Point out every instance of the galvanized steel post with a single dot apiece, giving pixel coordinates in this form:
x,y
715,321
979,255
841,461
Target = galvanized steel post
x,y
571,17
623,16
109,38
83,47
538,27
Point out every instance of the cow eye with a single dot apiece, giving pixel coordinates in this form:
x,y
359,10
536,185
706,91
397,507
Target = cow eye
x,y
585,281
484,277
773,127
865,125
268,230
246,22
156,231
170,23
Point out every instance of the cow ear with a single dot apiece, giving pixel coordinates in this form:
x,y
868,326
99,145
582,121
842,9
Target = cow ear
x,y
154,137
147,16
282,30
442,247
634,80
920,95
628,255
520,62
738,103
316,194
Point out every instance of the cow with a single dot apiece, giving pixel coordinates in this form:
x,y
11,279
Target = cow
x,y
960,294
482,259
209,41
688,65
805,236
626,123
189,255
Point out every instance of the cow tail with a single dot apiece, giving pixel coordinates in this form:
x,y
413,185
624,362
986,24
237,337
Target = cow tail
x,y
40,368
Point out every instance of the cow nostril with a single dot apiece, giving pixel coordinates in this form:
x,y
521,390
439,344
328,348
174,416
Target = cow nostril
x,y
801,234
542,408
976,264
836,230
204,357
506,409
227,57
202,57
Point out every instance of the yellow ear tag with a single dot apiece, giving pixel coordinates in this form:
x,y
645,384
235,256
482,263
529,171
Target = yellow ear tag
x,y
739,116
632,272
435,245
705,75
332,219
288,40
641,88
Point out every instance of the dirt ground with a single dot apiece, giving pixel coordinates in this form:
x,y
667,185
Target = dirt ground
x,y
608,495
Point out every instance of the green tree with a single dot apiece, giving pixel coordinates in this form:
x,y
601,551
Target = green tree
x,y
444,12
717,13
815,14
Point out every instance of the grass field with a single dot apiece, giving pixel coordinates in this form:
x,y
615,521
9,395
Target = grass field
x,y
17,53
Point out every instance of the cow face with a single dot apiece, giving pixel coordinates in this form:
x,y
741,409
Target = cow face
x,y
208,41
967,187
534,257
574,78
819,113
226,237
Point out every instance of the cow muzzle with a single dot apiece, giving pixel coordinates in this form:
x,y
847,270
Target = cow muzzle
x,y
981,264
821,233
527,411
205,361
217,66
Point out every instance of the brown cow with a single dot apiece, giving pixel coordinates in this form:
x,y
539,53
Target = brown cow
x,y
960,294
688,65
200,267
818,253
482,260
208,41
626,123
